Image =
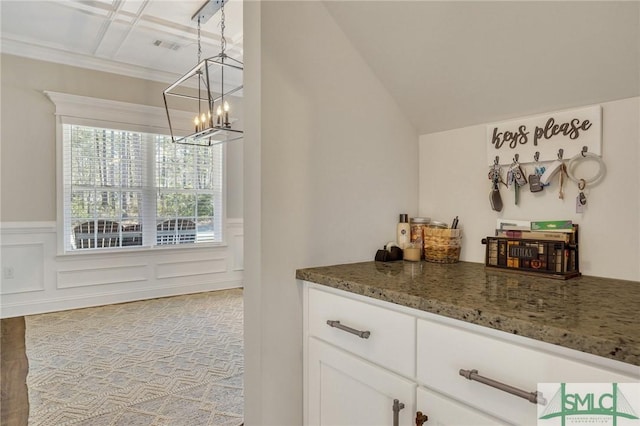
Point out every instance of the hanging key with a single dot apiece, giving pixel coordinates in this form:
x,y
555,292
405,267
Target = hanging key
x,y
581,199
494,196
562,172
516,176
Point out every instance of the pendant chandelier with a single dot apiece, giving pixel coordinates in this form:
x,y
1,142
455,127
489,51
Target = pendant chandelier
x,y
211,92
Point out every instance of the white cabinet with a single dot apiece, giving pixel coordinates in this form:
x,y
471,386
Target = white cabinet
x,y
386,352
345,390
452,348
391,335
443,411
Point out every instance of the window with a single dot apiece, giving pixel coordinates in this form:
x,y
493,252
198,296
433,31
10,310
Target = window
x,y
125,188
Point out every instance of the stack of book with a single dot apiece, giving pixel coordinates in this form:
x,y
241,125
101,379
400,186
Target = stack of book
x,y
550,230
548,247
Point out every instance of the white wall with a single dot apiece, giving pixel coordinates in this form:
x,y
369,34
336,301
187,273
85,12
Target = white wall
x,y
330,162
453,181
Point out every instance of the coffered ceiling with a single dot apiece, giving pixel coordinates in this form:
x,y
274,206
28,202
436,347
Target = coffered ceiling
x,y
448,64
152,39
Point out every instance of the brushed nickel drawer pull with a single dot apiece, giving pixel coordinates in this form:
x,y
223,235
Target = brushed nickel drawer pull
x,y
533,397
361,334
397,406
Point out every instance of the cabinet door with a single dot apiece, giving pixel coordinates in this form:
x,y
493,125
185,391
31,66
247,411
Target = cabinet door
x,y
345,390
443,411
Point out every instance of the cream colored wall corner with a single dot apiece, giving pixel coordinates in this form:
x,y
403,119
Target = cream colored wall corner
x,y
453,181
28,132
332,163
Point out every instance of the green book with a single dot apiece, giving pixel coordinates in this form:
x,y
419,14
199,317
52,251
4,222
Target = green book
x,y
552,225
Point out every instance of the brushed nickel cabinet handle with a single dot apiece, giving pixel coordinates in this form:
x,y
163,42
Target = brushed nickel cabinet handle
x,y
533,397
361,334
397,406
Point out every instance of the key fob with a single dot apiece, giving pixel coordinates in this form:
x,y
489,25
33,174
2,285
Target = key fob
x,y
534,183
582,199
519,176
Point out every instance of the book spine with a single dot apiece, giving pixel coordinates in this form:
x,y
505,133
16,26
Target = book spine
x,y
502,253
534,235
552,225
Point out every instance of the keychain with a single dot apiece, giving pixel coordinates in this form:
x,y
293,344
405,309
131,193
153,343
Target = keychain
x,y
535,185
581,199
562,172
516,176
496,178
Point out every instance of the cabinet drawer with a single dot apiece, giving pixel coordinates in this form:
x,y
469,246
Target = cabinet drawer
x,y
391,341
442,350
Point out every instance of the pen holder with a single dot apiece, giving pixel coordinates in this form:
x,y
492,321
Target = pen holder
x,y
442,245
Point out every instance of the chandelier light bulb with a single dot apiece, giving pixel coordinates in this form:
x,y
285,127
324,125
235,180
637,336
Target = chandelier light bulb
x,y
226,114
219,116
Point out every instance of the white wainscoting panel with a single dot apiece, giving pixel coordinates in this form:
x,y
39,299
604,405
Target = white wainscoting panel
x,y
35,279
185,268
235,231
101,276
22,268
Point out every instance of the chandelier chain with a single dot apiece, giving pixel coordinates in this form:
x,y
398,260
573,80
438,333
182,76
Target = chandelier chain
x,y
199,46
223,41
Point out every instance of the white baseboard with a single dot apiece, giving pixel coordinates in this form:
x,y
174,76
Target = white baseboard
x,y
108,298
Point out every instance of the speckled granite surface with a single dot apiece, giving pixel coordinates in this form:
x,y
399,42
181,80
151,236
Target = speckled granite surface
x,y
594,315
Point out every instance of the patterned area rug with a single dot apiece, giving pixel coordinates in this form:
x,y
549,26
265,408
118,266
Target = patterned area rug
x,y
170,361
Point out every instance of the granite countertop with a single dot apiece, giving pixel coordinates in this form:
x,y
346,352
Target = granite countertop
x,y
594,315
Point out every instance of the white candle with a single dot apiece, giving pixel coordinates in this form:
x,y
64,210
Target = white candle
x,y
226,113
197,123
219,116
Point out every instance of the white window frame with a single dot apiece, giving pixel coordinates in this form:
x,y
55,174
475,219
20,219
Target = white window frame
x,y
95,112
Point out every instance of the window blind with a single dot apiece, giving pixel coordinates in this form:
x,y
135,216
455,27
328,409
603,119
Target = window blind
x,y
124,188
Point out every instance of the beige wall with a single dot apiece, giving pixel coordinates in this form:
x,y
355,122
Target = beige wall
x,y
330,162
27,149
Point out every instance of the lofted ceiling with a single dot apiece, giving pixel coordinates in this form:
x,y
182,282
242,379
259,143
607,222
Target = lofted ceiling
x,y
448,64
151,39
452,64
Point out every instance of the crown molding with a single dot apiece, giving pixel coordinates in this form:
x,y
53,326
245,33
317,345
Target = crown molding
x,y
74,107
26,49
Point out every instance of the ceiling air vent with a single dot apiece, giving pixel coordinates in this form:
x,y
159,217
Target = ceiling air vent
x,y
167,45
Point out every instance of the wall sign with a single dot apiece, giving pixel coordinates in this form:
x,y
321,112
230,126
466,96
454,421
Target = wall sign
x,y
546,134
